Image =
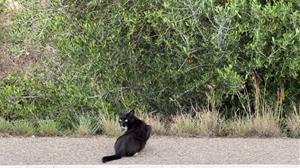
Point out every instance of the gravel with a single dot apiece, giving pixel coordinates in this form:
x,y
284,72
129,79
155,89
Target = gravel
x,y
159,150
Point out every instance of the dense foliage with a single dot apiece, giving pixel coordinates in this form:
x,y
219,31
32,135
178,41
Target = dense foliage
x,y
163,56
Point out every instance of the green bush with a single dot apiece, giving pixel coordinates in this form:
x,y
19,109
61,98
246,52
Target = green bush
x,y
167,55
94,57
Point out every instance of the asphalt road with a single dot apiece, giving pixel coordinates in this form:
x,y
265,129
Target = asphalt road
x,y
159,150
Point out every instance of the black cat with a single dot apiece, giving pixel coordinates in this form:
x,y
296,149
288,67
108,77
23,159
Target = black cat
x,y
133,140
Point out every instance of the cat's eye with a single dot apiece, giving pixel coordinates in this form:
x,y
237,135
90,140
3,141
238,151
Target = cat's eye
x,y
126,120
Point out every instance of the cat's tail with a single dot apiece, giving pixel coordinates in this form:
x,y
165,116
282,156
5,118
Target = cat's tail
x,y
110,158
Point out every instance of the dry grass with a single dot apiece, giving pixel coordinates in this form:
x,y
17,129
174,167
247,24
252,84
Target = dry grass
x,y
211,123
293,123
155,121
239,127
85,126
184,125
265,120
204,123
265,125
109,127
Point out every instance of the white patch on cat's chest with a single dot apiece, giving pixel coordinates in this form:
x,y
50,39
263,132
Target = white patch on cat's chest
x,y
124,128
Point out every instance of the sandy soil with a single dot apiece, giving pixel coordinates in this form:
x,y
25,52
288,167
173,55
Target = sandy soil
x,y
159,150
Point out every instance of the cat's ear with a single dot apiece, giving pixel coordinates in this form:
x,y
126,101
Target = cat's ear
x,y
122,113
131,112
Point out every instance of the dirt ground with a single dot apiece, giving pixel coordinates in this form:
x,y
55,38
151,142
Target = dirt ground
x,y
159,150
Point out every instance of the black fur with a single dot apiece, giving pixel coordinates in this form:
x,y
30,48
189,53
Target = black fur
x,y
133,140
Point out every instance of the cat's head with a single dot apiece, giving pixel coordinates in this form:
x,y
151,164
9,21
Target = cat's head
x,y
126,119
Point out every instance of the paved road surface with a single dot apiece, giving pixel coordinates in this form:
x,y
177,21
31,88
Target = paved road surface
x,y
159,150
